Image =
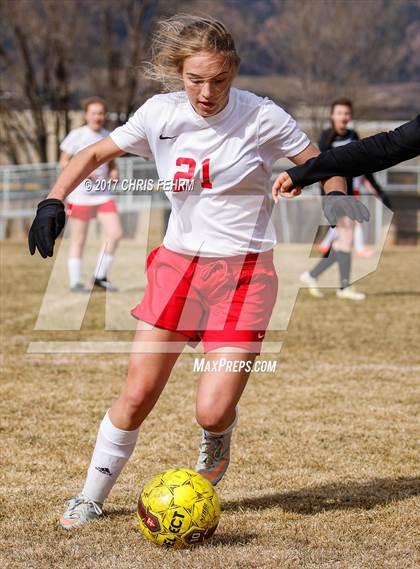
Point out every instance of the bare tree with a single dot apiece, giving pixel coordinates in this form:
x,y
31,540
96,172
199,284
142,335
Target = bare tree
x,y
53,53
123,32
336,47
36,60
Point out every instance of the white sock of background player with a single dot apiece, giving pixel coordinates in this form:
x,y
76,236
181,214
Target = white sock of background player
x,y
103,266
359,241
329,238
74,268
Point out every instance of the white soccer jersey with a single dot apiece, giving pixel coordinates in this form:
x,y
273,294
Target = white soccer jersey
x,y
227,158
76,140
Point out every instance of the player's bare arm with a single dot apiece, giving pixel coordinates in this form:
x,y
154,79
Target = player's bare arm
x,y
283,185
64,159
50,217
82,164
338,203
113,170
370,154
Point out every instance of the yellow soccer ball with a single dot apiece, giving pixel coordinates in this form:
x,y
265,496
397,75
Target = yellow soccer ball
x,y
178,508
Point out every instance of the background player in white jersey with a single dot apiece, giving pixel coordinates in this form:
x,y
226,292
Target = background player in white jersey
x,y
224,141
85,203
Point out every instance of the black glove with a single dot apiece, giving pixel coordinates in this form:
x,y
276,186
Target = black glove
x,y
337,204
46,227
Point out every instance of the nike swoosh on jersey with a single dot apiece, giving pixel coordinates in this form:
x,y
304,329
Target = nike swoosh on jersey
x,y
166,137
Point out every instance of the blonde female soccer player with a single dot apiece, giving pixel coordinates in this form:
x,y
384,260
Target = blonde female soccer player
x,y
89,200
212,279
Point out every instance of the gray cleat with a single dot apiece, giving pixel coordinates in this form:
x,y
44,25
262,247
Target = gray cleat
x,y
80,510
214,456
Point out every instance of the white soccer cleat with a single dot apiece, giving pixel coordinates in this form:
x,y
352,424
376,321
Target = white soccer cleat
x,y
350,294
80,510
214,456
312,284
79,287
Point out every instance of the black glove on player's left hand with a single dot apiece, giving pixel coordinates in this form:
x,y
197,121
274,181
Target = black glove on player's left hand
x,y
46,227
336,204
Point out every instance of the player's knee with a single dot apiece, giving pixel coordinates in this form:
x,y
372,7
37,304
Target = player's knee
x,y
78,243
77,238
135,399
114,237
140,391
212,419
117,235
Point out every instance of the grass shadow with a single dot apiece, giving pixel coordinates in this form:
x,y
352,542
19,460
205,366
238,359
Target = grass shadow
x,y
329,497
118,512
229,539
217,540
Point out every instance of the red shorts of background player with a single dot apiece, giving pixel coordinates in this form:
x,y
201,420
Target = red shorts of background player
x,y
86,212
222,301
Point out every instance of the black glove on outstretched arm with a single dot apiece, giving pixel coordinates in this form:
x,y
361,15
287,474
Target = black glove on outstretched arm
x,y
337,204
46,227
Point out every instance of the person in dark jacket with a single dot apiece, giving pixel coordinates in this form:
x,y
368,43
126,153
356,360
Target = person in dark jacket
x,y
337,244
338,135
371,154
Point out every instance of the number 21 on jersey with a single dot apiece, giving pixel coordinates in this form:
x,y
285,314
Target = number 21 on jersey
x,y
180,177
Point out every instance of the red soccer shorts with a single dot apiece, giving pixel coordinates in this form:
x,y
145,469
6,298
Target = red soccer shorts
x,y
224,301
86,212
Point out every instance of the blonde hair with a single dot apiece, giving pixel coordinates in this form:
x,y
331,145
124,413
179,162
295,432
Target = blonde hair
x,y
94,100
183,35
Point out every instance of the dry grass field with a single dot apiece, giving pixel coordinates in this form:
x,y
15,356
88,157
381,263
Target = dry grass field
x,y
325,467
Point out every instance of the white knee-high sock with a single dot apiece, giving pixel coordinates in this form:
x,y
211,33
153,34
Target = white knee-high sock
x,y
103,265
329,237
112,450
359,241
74,267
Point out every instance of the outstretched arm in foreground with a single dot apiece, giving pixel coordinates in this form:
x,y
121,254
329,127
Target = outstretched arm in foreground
x,y
364,156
